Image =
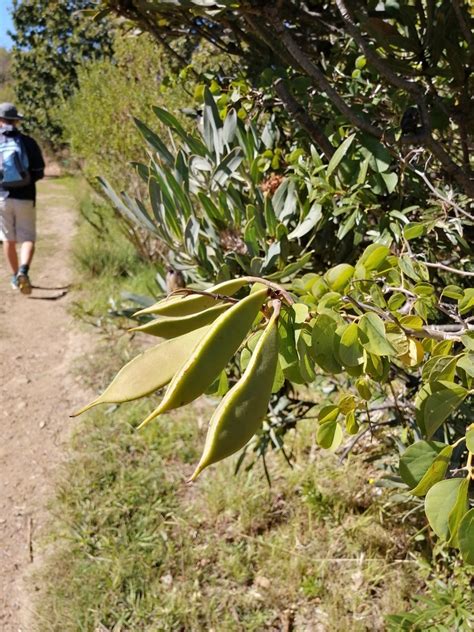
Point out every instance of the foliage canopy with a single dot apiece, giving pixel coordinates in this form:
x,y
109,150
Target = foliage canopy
x,y
51,40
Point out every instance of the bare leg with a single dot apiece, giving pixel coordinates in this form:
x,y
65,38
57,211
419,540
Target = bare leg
x,y
26,252
9,249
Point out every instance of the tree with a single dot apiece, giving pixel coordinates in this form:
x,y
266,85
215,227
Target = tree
x,y
51,40
6,88
412,63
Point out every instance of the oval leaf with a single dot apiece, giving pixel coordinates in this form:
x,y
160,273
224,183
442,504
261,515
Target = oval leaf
x,y
439,503
416,460
373,336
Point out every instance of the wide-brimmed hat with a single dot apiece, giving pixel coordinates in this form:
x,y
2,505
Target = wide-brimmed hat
x,y
8,111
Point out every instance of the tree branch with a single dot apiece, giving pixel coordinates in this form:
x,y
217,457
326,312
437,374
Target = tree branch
x,y
315,132
303,62
441,266
461,176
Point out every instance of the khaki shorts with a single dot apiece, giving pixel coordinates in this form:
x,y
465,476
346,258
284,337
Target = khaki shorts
x,y
17,220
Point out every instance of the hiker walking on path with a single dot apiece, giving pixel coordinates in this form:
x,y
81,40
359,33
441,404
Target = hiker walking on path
x,y
21,165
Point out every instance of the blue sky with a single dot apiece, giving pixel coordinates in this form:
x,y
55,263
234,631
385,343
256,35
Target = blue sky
x,y
5,23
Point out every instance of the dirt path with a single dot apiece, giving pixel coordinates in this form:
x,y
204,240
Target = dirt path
x,y
38,344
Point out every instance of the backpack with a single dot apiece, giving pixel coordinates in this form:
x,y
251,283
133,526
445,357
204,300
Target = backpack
x,y
14,163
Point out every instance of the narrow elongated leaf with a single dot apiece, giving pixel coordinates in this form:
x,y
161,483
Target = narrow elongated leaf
x,y
291,268
170,121
339,154
155,141
191,235
227,166
230,127
309,222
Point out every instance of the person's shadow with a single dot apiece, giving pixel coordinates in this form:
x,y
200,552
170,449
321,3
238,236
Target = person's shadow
x,y
64,289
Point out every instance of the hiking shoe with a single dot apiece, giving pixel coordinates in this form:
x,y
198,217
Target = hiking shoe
x,y
23,282
14,283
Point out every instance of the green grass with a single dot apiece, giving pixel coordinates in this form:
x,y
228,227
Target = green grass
x,y
136,548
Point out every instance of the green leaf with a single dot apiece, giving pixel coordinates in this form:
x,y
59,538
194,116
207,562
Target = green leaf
x,y
168,120
155,142
440,501
458,512
279,379
413,230
227,166
374,256
466,362
291,268
352,427
466,537
436,472
324,340
308,223
328,413
391,181
373,336
338,277
468,340
470,438
435,402
351,352
219,387
363,386
416,460
339,155
304,347
440,368
453,291
329,435
396,301
466,303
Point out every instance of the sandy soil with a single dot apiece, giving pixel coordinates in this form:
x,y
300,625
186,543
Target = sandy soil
x,y
39,343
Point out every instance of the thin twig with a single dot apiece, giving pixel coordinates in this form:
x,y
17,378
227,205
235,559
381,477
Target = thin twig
x,y
274,286
441,266
442,197
401,418
359,436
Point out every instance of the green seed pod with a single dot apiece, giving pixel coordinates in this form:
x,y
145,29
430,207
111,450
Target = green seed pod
x,y
173,326
212,354
240,413
149,371
184,305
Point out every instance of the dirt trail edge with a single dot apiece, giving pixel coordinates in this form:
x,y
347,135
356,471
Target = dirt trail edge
x,y
39,342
